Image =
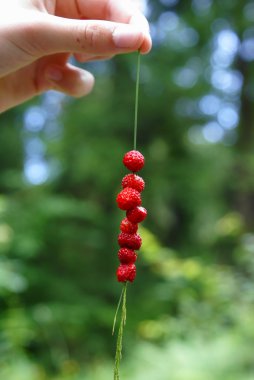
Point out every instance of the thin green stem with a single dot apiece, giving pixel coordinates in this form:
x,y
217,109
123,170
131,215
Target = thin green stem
x,y
136,103
119,343
122,300
117,309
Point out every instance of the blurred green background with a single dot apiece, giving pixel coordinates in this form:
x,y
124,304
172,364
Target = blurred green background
x,y
191,308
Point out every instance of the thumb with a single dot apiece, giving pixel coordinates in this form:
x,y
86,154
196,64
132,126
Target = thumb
x,y
55,35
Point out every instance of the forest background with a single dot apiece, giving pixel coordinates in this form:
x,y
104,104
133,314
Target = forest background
x,y
190,310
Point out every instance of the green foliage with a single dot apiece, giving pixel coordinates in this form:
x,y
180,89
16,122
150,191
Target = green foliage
x,y
190,311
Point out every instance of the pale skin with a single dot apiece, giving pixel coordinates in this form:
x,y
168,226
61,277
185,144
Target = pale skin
x,y
37,38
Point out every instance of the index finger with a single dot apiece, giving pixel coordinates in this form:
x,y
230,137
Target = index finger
x,y
108,10
123,11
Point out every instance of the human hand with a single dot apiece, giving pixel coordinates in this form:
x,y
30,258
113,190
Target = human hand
x,y
37,37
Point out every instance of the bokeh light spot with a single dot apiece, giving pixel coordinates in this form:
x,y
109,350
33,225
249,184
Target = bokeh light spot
x,y
213,132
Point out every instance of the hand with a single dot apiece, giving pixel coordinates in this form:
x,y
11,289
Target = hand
x,y
37,37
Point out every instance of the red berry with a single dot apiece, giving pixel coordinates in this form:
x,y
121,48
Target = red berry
x,y
128,227
128,198
134,160
127,256
126,272
133,181
136,215
132,241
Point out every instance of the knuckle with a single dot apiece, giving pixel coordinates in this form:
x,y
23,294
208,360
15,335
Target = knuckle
x,y
95,37
91,35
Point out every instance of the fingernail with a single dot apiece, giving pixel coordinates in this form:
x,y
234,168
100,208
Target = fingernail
x,y
54,74
125,36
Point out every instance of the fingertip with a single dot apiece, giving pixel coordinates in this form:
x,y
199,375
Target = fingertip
x,y
70,80
146,45
140,21
87,83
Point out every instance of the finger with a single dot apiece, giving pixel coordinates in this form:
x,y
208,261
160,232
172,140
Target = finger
x,y
18,87
55,35
40,77
112,10
69,79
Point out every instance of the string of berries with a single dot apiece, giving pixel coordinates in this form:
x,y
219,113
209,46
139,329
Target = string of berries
x,y
129,200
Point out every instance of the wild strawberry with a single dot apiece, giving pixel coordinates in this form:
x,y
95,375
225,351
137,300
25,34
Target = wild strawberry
x,y
134,160
128,198
126,272
128,227
133,181
132,241
127,256
137,214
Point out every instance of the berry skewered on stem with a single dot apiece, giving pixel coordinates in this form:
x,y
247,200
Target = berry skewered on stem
x,y
129,200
